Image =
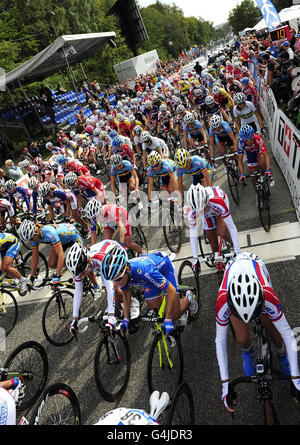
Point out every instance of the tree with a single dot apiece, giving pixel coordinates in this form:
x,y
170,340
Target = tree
x,y
244,15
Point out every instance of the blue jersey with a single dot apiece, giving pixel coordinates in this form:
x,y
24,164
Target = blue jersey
x,y
223,132
193,129
19,193
198,165
127,168
166,168
56,234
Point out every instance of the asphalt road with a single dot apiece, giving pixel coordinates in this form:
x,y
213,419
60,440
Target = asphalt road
x,y
73,364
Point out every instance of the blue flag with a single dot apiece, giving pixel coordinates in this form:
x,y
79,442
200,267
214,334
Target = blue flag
x,y
269,13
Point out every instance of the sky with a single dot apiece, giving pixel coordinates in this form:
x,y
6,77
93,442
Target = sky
x,y
215,11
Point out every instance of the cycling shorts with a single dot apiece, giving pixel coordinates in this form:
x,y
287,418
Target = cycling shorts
x,y
10,249
151,292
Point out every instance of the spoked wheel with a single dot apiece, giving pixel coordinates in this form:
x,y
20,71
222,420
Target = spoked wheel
x,y
182,410
29,361
165,364
8,311
201,240
112,366
42,270
57,317
57,406
263,203
172,231
188,279
139,237
233,182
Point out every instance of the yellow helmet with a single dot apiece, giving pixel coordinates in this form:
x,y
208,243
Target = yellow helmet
x,y
182,158
153,158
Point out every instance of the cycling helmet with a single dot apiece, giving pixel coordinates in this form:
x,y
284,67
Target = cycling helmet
x,y
137,129
32,183
189,118
163,107
198,92
215,121
145,136
114,262
120,117
49,145
197,197
153,158
103,135
113,134
62,159
38,161
182,158
101,124
131,118
78,138
240,98
116,160
209,100
96,131
148,103
245,80
44,189
77,259
216,90
245,297
25,163
64,140
72,134
92,208
116,142
70,179
246,132
89,129
110,117
10,184
26,230
180,109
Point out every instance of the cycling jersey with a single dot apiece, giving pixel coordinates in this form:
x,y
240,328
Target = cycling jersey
x,y
213,109
9,245
247,114
6,206
125,152
223,98
234,87
63,195
7,408
64,234
194,129
154,272
125,173
255,149
155,144
164,117
167,167
111,214
124,128
126,416
88,184
198,166
251,93
77,167
19,193
221,135
272,310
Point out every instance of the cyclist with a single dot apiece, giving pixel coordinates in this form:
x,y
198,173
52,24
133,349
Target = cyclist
x,y
157,275
257,156
150,144
193,131
210,204
17,193
221,133
163,168
59,236
222,97
112,217
90,186
9,248
71,165
124,150
245,293
6,207
126,174
11,396
82,262
245,112
211,108
165,120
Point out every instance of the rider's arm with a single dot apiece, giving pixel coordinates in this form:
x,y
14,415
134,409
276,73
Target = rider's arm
x,y
60,257
233,233
288,337
77,296
34,260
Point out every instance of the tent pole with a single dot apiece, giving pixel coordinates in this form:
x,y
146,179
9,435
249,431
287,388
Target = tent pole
x,y
15,104
83,72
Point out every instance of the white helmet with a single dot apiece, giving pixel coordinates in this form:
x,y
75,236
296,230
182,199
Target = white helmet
x,y
197,197
25,163
209,100
189,118
215,121
72,134
131,118
137,129
145,136
44,189
26,230
245,296
215,90
77,259
240,98
49,145
70,179
92,208
33,183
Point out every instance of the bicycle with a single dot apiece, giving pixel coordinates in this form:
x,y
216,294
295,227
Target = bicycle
x,y
29,363
173,232
262,188
112,361
233,175
265,374
58,311
8,304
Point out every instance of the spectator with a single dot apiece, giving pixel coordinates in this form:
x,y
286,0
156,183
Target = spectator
x,y
26,155
13,171
198,68
297,44
34,149
286,47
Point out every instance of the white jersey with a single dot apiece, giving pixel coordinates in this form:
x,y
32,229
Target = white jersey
x,y
156,142
247,115
7,408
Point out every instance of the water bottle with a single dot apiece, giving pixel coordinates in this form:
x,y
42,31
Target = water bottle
x,y
272,182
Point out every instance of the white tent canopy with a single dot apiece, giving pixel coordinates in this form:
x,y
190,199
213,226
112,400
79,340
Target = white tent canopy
x,y
65,50
285,15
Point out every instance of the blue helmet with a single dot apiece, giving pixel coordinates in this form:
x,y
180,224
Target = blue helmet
x,y
114,263
113,134
246,132
116,142
62,159
244,80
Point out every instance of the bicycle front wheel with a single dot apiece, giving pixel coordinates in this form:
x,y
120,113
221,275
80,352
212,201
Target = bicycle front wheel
x,y
233,183
172,232
42,270
8,311
165,364
57,406
57,317
182,410
263,204
188,279
29,361
112,366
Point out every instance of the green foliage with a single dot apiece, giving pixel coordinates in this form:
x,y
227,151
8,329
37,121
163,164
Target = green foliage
x,y
244,15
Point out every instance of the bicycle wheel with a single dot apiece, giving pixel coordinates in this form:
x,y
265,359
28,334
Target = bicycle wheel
x,y
189,279
269,412
42,270
165,364
208,261
233,183
139,237
112,366
182,410
57,406
264,209
29,360
57,317
8,311
172,232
